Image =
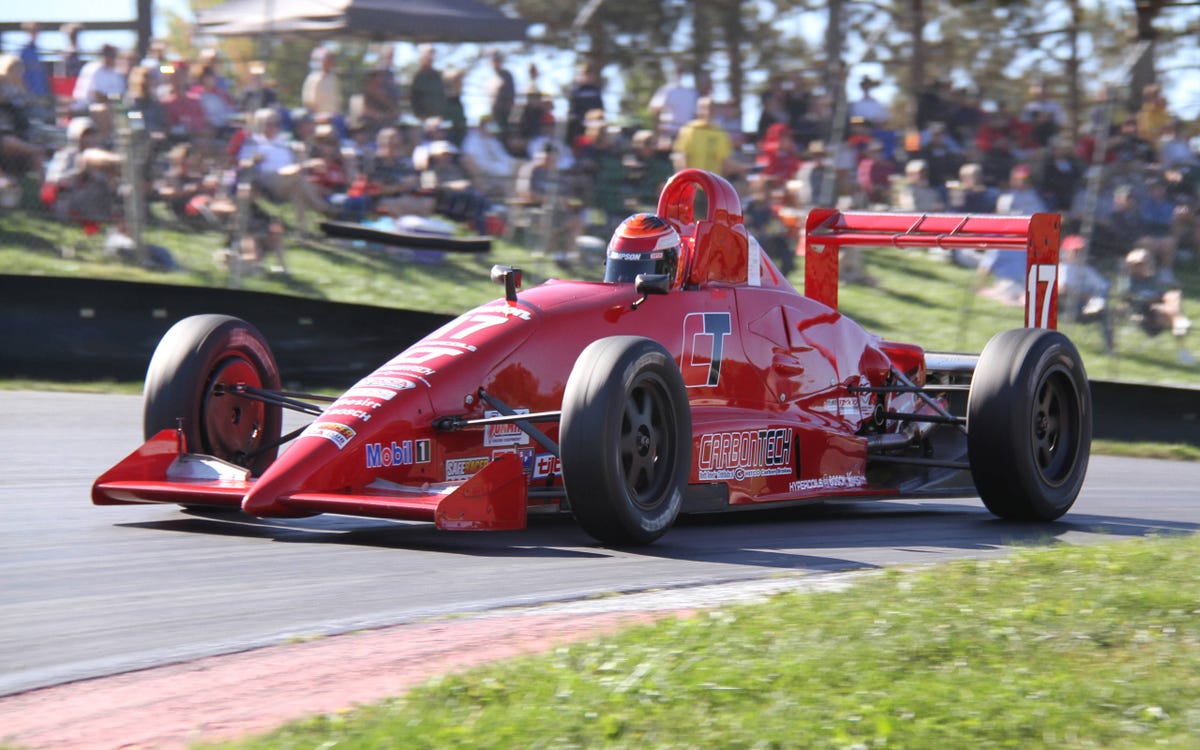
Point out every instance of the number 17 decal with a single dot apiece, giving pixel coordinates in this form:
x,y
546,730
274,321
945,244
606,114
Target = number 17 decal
x,y
1039,294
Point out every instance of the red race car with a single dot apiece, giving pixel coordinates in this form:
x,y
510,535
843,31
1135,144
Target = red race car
x,y
693,379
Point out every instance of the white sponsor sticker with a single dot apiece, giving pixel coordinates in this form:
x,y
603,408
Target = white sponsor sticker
x,y
335,432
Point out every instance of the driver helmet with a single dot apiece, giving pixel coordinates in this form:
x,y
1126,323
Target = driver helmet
x,y
643,243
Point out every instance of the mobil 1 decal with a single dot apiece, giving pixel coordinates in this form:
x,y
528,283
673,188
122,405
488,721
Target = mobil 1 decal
x,y
704,339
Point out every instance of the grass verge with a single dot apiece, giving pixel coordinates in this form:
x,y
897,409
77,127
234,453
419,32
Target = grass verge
x,y
1071,647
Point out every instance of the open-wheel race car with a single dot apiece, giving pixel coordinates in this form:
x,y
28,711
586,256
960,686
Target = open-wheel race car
x,y
693,379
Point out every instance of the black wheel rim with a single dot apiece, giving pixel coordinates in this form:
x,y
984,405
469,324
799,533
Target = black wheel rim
x,y
1055,427
648,441
232,424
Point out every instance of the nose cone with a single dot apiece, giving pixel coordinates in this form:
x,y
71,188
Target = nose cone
x,y
335,453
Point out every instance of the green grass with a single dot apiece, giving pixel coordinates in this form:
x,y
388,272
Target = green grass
x,y
1072,647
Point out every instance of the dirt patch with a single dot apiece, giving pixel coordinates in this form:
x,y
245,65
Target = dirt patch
x,y
225,697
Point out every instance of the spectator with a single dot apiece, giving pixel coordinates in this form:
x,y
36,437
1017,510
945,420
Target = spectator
x,y
1173,149
70,63
778,159
538,182
1153,116
868,107
973,196
375,108
674,104
874,176
916,194
99,79
393,180
1021,198
81,179
1082,290
483,148
942,159
219,108
258,91
321,93
1008,266
998,162
1041,114
1159,305
427,93
647,168
455,192
1059,174
454,116
36,78
584,98
186,120
702,143
19,155
276,170
503,94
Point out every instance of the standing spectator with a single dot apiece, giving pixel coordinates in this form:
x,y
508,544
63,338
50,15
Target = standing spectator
x,y
321,93
1153,116
99,79
71,62
37,81
18,154
375,108
503,92
454,116
868,107
703,144
585,97
427,93
673,105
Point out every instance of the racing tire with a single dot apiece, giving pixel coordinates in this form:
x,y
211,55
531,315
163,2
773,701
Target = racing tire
x,y
1029,424
625,440
196,359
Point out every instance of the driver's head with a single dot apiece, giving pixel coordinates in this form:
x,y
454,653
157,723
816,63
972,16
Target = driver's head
x,y
643,243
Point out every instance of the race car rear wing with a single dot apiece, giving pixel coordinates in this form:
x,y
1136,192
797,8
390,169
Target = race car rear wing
x,y
827,230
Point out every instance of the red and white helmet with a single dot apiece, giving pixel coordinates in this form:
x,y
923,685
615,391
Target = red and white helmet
x,y
643,243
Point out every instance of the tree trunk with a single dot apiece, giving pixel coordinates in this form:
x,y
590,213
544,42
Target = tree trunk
x,y
1074,101
1144,70
916,69
735,32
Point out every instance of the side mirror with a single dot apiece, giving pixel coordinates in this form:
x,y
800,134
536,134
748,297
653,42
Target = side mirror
x,y
511,279
650,283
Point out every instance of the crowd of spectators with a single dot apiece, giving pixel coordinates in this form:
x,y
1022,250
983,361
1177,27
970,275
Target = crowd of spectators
x,y
1130,179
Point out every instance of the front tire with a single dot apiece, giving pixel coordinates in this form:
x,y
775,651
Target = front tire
x,y
625,440
1029,424
194,365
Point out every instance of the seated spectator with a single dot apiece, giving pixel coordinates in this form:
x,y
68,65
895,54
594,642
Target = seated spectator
x,y
19,155
452,185
82,179
973,196
540,179
184,181
1158,305
1082,290
484,149
763,223
778,158
874,175
391,179
647,168
942,158
219,108
186,120
915,193
333,173
276,169
1058,174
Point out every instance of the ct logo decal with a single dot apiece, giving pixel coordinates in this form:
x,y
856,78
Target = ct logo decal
x,y
703,348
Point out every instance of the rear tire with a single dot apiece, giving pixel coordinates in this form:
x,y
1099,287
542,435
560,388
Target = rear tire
x,y
1029,424
625,440
198,358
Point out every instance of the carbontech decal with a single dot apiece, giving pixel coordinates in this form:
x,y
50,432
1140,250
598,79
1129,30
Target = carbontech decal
x,y
746,454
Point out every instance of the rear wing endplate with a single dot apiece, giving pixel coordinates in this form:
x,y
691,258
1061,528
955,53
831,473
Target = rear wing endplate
x,y
827,230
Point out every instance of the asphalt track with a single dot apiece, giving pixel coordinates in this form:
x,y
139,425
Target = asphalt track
x,y
89,591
